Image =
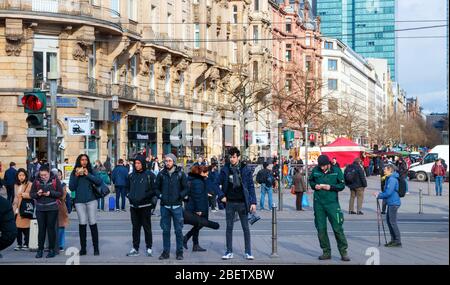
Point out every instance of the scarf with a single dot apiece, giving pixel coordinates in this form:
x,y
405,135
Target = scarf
x,y
236,176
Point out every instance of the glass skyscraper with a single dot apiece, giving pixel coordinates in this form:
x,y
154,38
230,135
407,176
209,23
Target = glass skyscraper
x,y
367,26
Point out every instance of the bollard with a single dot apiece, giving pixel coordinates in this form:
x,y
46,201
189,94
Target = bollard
x,y
429,182
420,201
274,232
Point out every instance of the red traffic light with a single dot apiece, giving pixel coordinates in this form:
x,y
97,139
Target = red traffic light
x,y
312,137
34,102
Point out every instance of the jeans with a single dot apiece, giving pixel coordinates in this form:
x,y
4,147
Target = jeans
x,y
438,184
230,210
264,190
87,212
212,201
167,215
141,217
121,191
101,204
62,237
47,224
391,220
26,236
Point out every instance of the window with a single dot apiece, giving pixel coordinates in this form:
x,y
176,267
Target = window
x,y
197,36
183,29
256,5
332,84
308,40
288,25
235,14
288,52
45,58
132,10
328,45
255,70
152,76
167,87
255,34
114,73
288,83
115,8
332,64
371,44
92,62
133,70
308,63
154,18
234,52
181,83
207,38
332,105
378,35
169,25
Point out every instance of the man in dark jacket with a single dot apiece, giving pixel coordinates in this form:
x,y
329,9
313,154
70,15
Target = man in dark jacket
x,y
357,184
327,181
265,179
171,188
238,192
402,167
10,180
8,230
141,193
120,180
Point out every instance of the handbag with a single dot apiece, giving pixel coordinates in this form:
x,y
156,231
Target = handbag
x,y
305,202
26,209
293,190
101,191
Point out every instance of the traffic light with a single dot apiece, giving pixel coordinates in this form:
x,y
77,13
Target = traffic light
x,y
35,105
288,138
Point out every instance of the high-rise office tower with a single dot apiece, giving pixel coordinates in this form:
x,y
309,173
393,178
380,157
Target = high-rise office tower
x,y
367,26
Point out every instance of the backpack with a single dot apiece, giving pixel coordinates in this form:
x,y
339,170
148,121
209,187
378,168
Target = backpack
x,y
350,174
401,187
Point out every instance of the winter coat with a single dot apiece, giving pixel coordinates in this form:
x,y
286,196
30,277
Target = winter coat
x,y
359,179
63,213
21,222
51,202
171,189
141,188
299,183
334,177
120,175
10,177
83,186
247,184
211,182
438,170
8,229
402,168
390,193
262,176
198,194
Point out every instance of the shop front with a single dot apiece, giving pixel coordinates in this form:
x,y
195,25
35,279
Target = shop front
x,y
142,136
174,137
199,140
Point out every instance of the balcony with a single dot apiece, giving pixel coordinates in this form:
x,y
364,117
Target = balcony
x,y
257,49
204,55
162,39
152,96
124,91
62,10
44,84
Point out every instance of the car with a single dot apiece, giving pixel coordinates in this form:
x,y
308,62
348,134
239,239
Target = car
x,y
422,170
76,129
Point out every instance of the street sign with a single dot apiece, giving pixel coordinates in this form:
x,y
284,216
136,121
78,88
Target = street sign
x,y
79,126
261,138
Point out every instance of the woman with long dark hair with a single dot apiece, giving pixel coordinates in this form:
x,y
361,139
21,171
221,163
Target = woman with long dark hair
x,y
82,181
22,190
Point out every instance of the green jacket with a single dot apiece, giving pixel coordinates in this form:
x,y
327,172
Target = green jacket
x,y
334,178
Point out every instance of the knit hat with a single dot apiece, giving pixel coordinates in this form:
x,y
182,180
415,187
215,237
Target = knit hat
x,y
323,160
172,157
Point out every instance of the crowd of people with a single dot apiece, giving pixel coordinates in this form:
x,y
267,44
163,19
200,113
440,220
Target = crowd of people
x,y
187,197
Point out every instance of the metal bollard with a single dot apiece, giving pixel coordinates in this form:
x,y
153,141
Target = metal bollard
x,y
429,182
420,201
274,232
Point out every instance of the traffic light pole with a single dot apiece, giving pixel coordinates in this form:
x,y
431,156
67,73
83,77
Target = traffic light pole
x,y
280,196
53,78
306,155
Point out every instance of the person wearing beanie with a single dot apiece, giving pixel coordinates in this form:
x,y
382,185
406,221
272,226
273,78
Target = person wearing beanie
x,y
141,194
327,181
171,188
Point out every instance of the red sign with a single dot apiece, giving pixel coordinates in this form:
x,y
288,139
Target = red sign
x,y
312,137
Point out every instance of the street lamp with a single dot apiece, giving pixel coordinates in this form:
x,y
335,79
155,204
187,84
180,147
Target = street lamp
x,y
306,154
280,201
401,139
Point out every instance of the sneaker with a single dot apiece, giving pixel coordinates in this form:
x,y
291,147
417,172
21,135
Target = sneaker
x,y
185,241
148,252
123,210
164,255
18,248
248,256
383,213
117,210
352,213
324,257
393,244
51,254
180,256
345,258
39,254
198,248
25,248
227,256
214,211
61,249
360,213
133,252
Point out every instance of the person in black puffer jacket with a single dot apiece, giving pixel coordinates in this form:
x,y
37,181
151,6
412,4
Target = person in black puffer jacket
x,y
357,186
82,181
8,230
47,191
142,197
198,202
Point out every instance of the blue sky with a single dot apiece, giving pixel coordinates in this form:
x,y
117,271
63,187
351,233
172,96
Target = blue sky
x,y
422,63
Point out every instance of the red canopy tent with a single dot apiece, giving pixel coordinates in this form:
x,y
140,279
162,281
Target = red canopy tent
x,y
344,150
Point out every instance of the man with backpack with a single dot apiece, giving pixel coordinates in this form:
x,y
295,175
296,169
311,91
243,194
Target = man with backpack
x,y
356,181
265,179
142,195
402,168
120,179
391,194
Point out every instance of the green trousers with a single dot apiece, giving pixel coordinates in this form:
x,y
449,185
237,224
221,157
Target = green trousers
x,y
332,212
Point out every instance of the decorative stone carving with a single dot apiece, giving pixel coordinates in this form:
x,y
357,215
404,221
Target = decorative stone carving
x,y
85,37
14,35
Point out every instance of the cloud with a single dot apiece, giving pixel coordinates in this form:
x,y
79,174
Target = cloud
x,y
432,101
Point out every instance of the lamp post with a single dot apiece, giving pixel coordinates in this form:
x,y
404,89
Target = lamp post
x,y
306,154
401,139
280,197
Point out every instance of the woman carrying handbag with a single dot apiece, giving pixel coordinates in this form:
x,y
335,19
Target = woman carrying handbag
x,y
299,188
23,207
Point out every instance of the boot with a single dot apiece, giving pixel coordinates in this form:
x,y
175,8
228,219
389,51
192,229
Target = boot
x,y
325,256
198,248
94,233
82,231
51,253
185,241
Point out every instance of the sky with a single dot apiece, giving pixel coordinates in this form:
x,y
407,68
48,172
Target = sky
x,y
422,63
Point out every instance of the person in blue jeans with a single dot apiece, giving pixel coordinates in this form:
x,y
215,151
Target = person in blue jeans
x,y
119,177
265,179
438,171
171,188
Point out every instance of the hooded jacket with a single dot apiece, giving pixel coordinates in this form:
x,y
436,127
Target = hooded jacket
x,y
171,189
51,202
198,194
390,193
120,176
141,186
8,229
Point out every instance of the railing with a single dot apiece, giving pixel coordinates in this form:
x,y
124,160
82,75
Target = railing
x,y
152,98
65,7
44,85
124,91
164,40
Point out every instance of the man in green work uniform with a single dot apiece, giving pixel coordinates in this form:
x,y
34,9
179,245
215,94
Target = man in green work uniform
x,y
326,181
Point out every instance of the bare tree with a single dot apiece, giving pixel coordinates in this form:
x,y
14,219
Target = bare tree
x,y
347,120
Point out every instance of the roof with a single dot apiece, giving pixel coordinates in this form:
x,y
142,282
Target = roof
x,y
343,142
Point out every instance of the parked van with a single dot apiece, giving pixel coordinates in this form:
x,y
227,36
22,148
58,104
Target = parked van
x,y
421,169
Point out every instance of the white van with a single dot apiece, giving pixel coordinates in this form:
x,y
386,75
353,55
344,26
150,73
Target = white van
x,y
421,169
